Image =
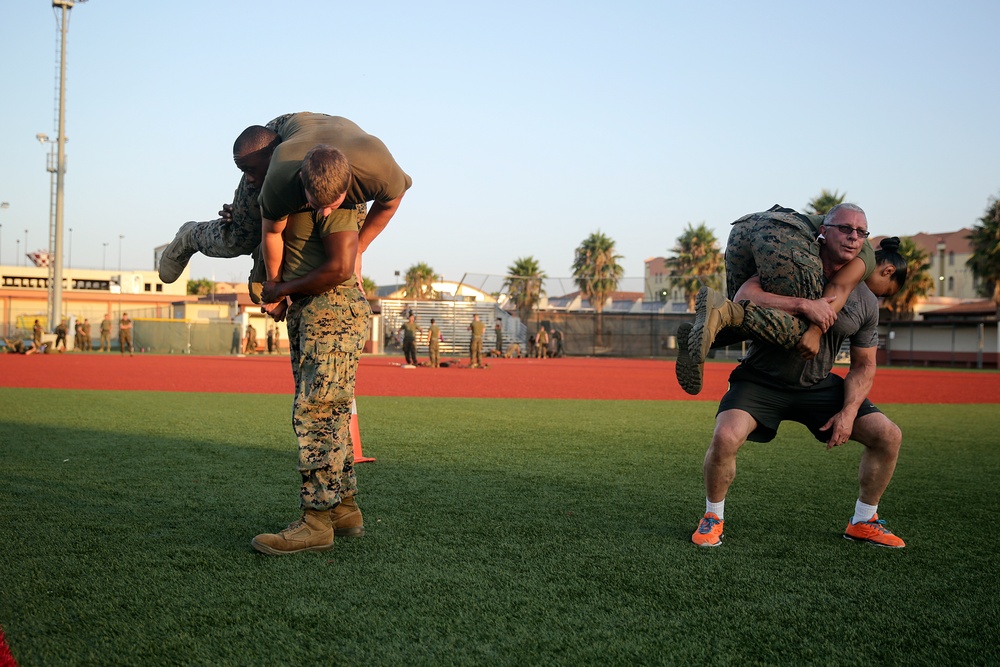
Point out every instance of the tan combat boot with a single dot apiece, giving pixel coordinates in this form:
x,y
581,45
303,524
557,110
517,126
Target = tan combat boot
x,y
313,532
713,313
346,519
176,255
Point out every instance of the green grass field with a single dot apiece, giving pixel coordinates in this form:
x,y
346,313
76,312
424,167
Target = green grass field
x,y
500,532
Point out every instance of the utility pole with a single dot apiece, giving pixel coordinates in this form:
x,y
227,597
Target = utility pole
x,y
55,307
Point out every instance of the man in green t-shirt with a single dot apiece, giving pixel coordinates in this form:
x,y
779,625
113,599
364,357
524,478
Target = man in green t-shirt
x,y
476,344
328,320
282,144
106,333
434,344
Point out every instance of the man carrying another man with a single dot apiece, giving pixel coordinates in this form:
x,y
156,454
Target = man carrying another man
x,y
309,257
374,177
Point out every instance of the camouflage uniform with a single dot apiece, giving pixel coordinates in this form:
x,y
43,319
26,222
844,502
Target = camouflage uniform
x,y
779,246
476,343
326,335
434,345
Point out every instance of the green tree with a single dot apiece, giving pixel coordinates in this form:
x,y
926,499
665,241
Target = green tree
x,y
369,287
985,260
420,281
524,285
918,283
201,287
826,200
597,273
698,262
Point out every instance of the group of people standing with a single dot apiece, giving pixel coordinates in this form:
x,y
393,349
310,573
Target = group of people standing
x,y
82,338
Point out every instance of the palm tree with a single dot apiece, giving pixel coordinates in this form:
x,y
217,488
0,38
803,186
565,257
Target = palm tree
x,y
420,281
369,287
918,283
524,285
826,200
597,272
985,260
698,261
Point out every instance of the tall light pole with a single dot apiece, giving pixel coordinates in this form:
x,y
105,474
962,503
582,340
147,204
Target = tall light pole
x,y
104,256
120,238
69,258
941,247
51,167
55,307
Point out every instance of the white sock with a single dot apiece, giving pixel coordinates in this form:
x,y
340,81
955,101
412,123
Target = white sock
x,y
718,509
863,512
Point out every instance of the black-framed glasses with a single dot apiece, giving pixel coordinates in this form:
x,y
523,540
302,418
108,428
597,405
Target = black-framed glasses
x,y
847,229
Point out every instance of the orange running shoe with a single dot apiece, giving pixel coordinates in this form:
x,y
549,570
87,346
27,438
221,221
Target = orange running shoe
x,y
873,532
709,533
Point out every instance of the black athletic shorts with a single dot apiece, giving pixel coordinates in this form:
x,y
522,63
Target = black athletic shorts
x,y
770,404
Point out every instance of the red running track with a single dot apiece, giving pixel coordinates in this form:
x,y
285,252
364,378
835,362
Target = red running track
x,y
571,377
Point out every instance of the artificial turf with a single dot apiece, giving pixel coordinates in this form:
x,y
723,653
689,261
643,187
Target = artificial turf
x,y
506,531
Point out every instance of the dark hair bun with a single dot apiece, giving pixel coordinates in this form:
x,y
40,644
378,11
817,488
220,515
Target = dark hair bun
x,y
890,244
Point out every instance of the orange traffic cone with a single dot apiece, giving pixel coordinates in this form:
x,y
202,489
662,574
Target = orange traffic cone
x,y
356,435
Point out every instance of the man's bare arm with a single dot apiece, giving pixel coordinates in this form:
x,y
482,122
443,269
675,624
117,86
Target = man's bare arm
x,y
857,384
341,248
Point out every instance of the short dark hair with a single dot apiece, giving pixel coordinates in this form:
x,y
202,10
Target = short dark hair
x,y
254,139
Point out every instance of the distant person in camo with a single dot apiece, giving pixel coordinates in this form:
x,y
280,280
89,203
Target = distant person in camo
x,y
476,342
106,333
125,334
434,344
409,330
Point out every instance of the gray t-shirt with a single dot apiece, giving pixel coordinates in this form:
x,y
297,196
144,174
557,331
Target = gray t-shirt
x,y
858,321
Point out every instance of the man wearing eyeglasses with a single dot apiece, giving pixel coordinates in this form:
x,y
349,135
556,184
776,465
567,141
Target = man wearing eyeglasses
x,y
774,384
783,248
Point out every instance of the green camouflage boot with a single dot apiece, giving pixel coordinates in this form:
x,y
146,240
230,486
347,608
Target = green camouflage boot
x,y
176,255
313,532
346,519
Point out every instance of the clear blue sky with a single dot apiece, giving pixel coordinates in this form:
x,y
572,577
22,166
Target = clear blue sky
x,y
526,125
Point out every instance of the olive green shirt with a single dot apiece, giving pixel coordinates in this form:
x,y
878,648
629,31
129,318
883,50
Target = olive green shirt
x,y
303,238
375,176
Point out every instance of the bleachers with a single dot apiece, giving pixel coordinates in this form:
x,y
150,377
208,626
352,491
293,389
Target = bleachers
x,y
453,317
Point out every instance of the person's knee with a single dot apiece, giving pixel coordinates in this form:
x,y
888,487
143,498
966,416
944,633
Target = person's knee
x,y
879,433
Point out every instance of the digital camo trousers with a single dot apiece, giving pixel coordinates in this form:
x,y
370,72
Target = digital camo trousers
x,y
326,335
783,252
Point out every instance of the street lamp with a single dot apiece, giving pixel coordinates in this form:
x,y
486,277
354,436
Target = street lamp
x,y
104,255
25,247
69,258
940,248
120,237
